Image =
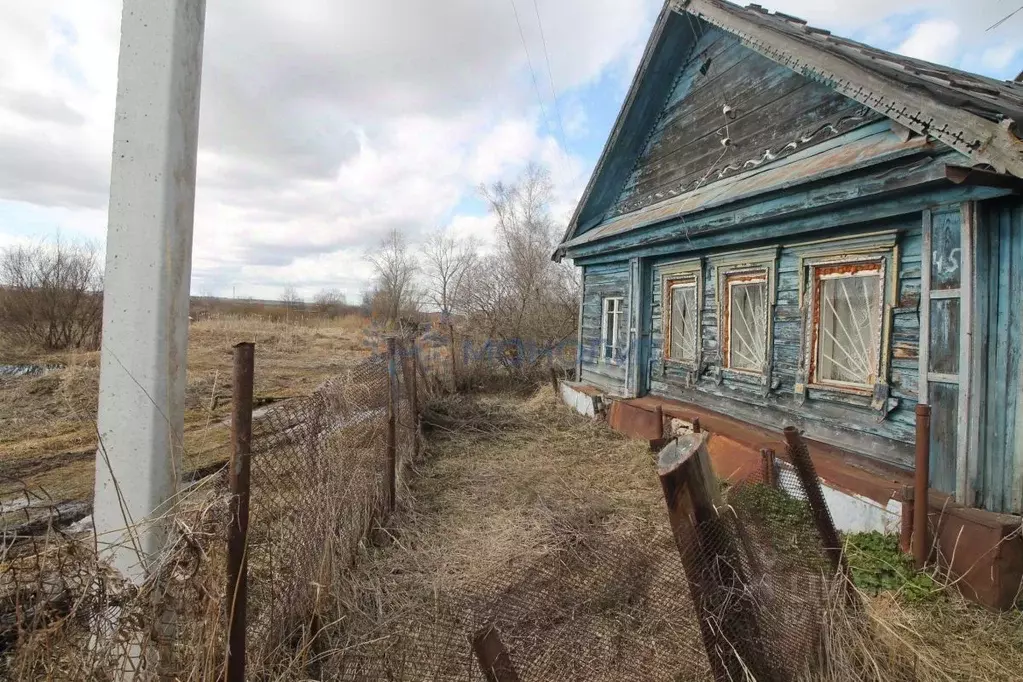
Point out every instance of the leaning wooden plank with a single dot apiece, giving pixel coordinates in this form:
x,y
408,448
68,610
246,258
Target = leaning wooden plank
x,y
492,657
710,557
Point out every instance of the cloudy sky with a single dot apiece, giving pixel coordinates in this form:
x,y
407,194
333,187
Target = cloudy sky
x,y
327,122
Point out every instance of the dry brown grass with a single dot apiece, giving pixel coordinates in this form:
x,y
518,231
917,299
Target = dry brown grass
x,y
47,421
519,484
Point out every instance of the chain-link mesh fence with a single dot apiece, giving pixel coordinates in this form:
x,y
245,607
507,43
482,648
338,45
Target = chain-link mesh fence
x,y
735,588
321,478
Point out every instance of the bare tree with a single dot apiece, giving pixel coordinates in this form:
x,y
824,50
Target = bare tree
x,y
51,295
394,292
518,295
292,300
329,302
446,265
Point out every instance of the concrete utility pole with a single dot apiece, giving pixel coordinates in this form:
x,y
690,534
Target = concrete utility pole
x,y
148,271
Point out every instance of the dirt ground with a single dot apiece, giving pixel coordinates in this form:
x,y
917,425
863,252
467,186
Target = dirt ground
x,y
48,421
524,507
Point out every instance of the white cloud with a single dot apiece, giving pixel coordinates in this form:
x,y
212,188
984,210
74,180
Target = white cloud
x,y
323,123
931,40
327,122
999,57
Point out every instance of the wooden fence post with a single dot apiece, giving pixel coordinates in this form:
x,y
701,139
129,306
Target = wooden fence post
x,y
238,530
492,657
392,423
711,559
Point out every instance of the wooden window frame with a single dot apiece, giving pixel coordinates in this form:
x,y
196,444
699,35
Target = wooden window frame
x,y
970,374
760,262
682,273
817,275
880,248
605,302
744,278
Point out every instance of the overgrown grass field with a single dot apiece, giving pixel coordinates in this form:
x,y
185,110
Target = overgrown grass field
x,y
48,421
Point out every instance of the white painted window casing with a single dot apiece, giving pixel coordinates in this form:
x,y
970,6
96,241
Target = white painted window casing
x,y
610,329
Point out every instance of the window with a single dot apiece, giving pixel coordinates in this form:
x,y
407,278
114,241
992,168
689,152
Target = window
x,y
610,329
683,320
746,310
847,296
847,324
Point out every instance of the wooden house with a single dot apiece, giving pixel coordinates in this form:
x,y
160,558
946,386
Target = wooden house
x,y
788,227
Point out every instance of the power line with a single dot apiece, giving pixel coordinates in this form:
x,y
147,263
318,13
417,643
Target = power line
x,y
550,77
529,62
1004,19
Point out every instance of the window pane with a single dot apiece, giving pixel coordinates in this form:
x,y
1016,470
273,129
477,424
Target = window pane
x,y
747,333
609,322
849,331
944,348
946,251
683,323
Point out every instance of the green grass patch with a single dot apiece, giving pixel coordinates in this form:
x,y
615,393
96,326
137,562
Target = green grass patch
x,y
878,565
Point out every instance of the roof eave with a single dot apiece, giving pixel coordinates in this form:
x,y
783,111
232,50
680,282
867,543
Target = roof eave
x,y
623,112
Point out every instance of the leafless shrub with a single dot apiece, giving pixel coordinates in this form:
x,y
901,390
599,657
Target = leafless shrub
x,y
330,303
50,295
517,299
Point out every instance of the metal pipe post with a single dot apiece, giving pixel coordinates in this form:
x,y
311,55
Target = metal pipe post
x,y
799,456
238,531
147,278
767,467
392,423
921,484
416,440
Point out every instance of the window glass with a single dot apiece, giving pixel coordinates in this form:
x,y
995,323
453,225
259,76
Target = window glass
x,y
683,330
849,327
747,323
611,328
944,338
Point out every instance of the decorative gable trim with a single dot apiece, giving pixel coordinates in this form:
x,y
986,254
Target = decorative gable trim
x,y
981,140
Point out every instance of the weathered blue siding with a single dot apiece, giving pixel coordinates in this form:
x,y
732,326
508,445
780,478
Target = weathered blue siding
x,y
845,424
599,282
998,474
773,112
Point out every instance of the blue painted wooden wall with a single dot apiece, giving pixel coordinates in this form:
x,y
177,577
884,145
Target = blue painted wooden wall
x,y
856,427
599,282
998,476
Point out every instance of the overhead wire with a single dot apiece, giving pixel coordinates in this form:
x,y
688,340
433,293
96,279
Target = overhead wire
x,y
529,63
1004,19
550,78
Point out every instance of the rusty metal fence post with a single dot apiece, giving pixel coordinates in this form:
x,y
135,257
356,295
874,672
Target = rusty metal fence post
x,y
237,534
392,423
414,391
799,456
767,467
922,483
